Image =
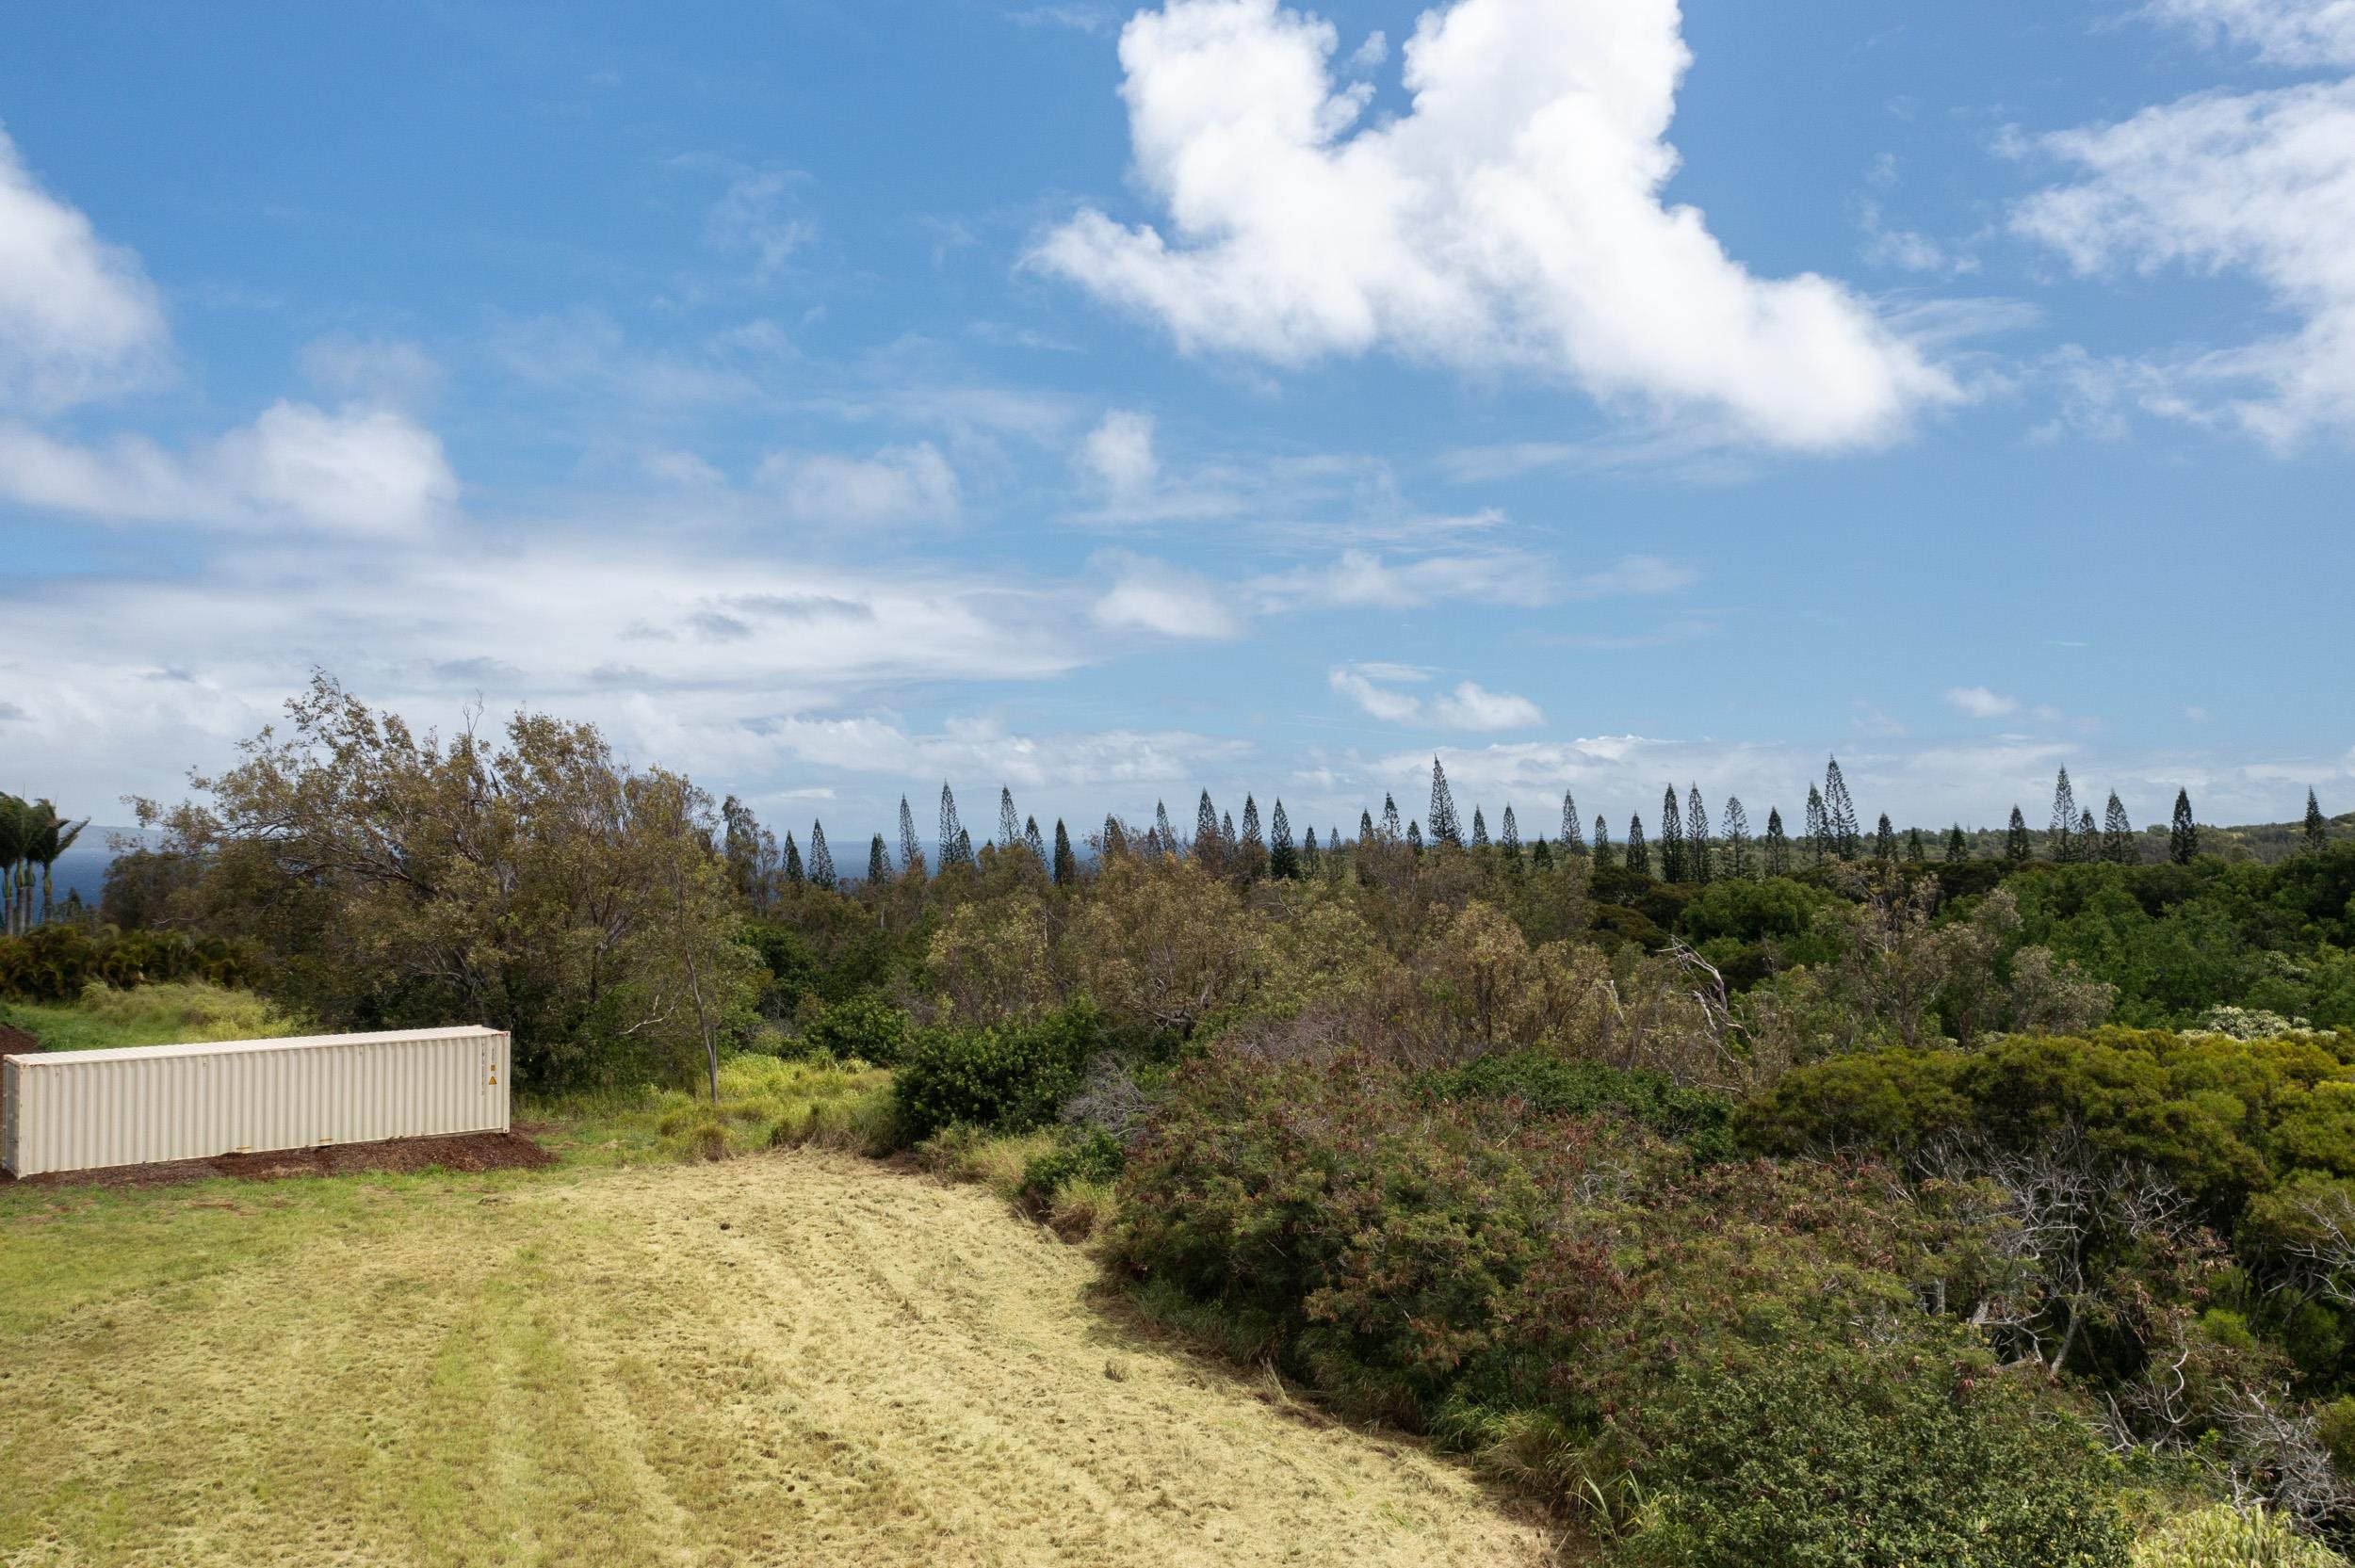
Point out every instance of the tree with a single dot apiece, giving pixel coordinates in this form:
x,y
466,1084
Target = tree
x,y
1160,824
1847,837
1365,829
878,861
1574,840
1480,829
16,841
1283,860
791,869
1414,838
1206,839
2016,839
1115,840
911,852
2061,837
1671,836
1638,857
1009,824
2183,836
2088,840
2117,835
2317,834
1509,838
527,882
1309,852
1445,828
1778,843
820,858
1390,834
1696,836
1885,842
1957,846
1541,855
1736,833
1819,839
53,835
1066,864
954,846
1031,841
751,853
1603,845
1916,852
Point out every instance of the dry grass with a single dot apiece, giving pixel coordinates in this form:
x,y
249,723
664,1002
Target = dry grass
x,y
797,1357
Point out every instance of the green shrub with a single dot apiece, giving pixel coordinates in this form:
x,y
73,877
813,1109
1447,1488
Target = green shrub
x,y
865,1027
2226,1537
1098,1158
1550,1084
1010,1077
57,964
1834,1455
175,1012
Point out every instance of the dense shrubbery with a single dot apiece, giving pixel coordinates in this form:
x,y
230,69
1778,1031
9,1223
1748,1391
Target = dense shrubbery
x,y
1010,1077
55,964
1552,1085
1568,1297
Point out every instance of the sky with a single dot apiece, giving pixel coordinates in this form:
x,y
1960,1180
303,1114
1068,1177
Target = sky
x,y
833,399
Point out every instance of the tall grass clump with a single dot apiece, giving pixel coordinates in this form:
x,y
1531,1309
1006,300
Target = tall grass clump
x,y
176,1013
2227,1537
768,1103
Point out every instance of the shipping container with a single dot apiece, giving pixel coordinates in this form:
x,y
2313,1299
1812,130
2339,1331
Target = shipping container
x,y
84,1111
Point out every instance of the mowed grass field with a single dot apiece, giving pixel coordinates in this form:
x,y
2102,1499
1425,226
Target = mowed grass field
x,y
796,1357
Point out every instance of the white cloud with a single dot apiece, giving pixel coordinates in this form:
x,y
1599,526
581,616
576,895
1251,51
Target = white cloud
x,y
1634,574
755,218
1513,218
1117,455
1979,702
78,318
1377,702
385,371
360,472
1468,706
2260,182
1471,707
898,484
1153,596
2287,32
1362,579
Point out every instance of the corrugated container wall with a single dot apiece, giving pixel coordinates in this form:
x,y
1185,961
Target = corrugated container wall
x,y
83,1110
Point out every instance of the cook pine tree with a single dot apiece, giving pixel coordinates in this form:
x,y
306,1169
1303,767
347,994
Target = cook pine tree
x,y
2016,838
1574,840
1847,837
2117,833
1603,845
911,852
1778,843
1671,836
2183,834
1445,828
1735,831
2317,825
1638,857
1067,864
2061,837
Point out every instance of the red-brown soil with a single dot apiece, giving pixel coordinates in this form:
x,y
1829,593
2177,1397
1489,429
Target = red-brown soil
x,y
489,1151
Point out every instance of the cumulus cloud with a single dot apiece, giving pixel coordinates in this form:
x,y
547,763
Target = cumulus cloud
x,y
359,470
1117,456
1513,217
1979,702
2257,182
78,318
898,484
1468,706
1153,596
2286,32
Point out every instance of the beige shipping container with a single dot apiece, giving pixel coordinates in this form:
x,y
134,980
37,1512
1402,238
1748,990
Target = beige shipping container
x,y
84,1111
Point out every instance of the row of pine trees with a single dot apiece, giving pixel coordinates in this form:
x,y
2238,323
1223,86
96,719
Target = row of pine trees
x,y
1682,845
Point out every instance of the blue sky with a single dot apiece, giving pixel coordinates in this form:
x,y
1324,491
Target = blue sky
x,y
830,399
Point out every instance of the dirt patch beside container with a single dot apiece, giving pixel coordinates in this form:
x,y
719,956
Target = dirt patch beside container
x,y
487,1151
16,1042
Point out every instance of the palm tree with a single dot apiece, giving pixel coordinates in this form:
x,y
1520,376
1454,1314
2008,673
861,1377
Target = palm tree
x,y
16,831
53,835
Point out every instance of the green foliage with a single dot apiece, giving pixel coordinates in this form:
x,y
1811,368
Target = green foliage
x,y
1574,1301
1836,1455
2227,1537
56,962
1552,1085
1008,1078
864,1026
1098,1158
173,1013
